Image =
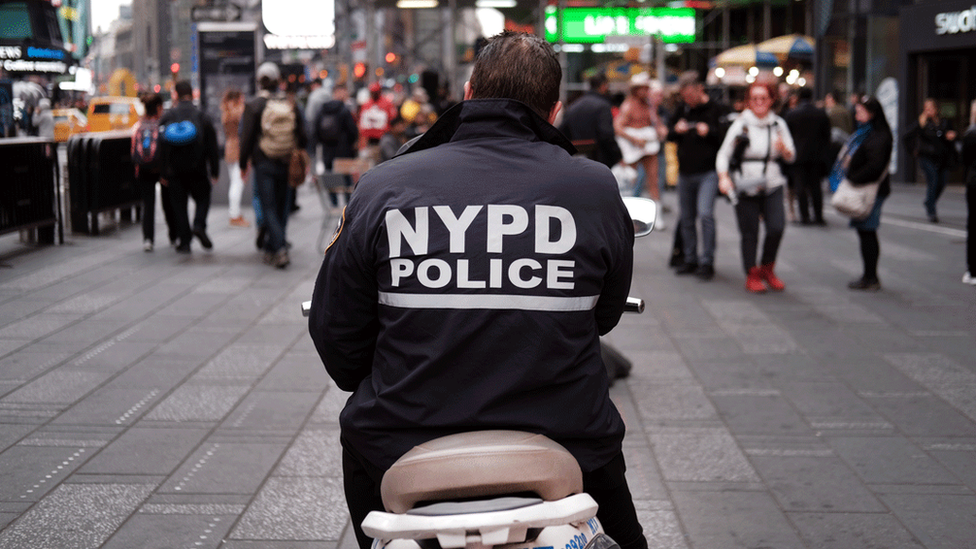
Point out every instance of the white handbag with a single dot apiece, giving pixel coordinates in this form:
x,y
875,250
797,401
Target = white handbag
x,y
856,201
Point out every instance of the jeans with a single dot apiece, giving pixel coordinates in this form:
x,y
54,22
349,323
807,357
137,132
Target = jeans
x,y
768,207
696,197
271,184
935,181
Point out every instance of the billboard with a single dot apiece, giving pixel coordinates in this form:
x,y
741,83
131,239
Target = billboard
x,y
227,60
596,25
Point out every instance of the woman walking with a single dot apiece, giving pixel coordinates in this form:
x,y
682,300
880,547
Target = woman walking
x,y
865,160
231,110
932,142
749,171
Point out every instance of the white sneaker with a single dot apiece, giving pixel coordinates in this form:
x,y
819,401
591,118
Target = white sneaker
x,y
147,246
969,279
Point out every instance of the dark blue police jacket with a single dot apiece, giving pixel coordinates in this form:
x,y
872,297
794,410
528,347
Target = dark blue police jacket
x,y
468,284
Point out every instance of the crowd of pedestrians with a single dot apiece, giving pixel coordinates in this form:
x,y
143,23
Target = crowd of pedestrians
x,y
770,155
263,137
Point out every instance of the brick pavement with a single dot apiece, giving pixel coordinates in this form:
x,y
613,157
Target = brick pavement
x,y
159,400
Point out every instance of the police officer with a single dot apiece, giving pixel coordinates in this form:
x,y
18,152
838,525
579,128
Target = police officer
x,y
468,285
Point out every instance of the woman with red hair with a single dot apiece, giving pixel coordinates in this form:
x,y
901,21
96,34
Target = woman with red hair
x,y
749,172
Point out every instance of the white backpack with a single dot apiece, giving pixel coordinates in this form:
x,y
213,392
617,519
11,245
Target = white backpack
x,y
278,128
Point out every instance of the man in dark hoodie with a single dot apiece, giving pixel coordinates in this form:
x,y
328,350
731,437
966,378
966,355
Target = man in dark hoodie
x,y
590,118
190,164
698,127
468,285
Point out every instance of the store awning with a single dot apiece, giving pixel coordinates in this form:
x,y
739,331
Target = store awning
x,y
795,47
748,55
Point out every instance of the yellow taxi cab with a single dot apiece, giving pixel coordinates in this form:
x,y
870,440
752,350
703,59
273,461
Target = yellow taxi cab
x,y
68,122
113,113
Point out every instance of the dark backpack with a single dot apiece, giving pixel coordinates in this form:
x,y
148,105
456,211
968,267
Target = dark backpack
x,y
145,141
328,128
184,139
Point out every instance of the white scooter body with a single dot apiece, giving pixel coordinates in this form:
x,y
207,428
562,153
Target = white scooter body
x,y
490,489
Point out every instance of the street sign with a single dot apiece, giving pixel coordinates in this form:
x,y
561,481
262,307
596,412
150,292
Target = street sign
x,y
227,12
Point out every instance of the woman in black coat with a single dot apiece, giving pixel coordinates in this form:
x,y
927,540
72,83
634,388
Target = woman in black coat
x,y
866,161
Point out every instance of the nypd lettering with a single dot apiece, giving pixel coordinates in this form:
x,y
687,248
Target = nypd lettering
x,y
551,230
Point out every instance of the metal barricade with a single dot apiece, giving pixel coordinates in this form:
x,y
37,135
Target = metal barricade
x,y
29,190
101,178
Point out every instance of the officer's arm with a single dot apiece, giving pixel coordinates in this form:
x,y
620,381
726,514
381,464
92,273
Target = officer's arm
x,y
620,251
343,321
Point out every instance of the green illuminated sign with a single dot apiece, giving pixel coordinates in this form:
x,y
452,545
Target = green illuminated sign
x,y
595,25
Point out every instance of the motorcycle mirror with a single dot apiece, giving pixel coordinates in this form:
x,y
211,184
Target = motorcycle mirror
x,y
643,211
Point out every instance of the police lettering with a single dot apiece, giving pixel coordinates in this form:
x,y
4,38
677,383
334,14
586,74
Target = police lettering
x,y
551,228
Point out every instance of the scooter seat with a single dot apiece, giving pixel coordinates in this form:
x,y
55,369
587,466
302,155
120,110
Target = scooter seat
x,y
480,464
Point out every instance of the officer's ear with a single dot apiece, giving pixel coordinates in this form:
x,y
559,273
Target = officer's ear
x,y
555,110
467,90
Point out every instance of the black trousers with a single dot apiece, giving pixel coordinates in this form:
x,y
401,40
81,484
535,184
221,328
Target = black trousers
x,y
147,188
769,207
181,189
607,485
809,193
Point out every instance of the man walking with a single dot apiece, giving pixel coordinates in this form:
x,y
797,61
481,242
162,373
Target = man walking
x,y
272,128
810,128
190,164
698,128
483,262
590,118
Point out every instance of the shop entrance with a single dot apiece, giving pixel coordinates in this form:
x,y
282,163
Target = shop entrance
x,y
949,77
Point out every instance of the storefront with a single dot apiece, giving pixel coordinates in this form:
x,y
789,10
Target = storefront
x,y
939,62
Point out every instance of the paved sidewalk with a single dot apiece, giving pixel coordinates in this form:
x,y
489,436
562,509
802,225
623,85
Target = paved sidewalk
x,y
160,400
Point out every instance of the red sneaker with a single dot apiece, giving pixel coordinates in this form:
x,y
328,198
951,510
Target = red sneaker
x,y
754,281
766,273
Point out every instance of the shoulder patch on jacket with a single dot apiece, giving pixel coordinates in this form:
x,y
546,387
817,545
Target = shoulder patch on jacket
x,y
338,230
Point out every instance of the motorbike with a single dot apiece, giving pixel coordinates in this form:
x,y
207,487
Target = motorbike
x,y
496,489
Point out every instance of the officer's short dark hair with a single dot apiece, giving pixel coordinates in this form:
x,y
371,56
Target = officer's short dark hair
x,y
520,66
183,89
597,80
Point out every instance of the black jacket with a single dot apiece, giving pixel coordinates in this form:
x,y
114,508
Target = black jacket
x,y
186,110
590,118
493,323
810,128
929,141
870,160
696,154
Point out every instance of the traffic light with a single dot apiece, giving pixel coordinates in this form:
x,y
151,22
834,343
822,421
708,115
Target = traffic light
x,y
174,69
359,70
390,58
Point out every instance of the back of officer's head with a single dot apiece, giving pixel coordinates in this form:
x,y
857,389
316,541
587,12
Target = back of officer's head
x,y
515,65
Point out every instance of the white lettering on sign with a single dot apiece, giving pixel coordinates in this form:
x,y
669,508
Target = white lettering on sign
x,y
954,23
10,52
551,230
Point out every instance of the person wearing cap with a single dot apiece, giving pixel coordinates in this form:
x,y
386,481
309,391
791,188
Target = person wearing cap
x,y
270,174
375,116
639,130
